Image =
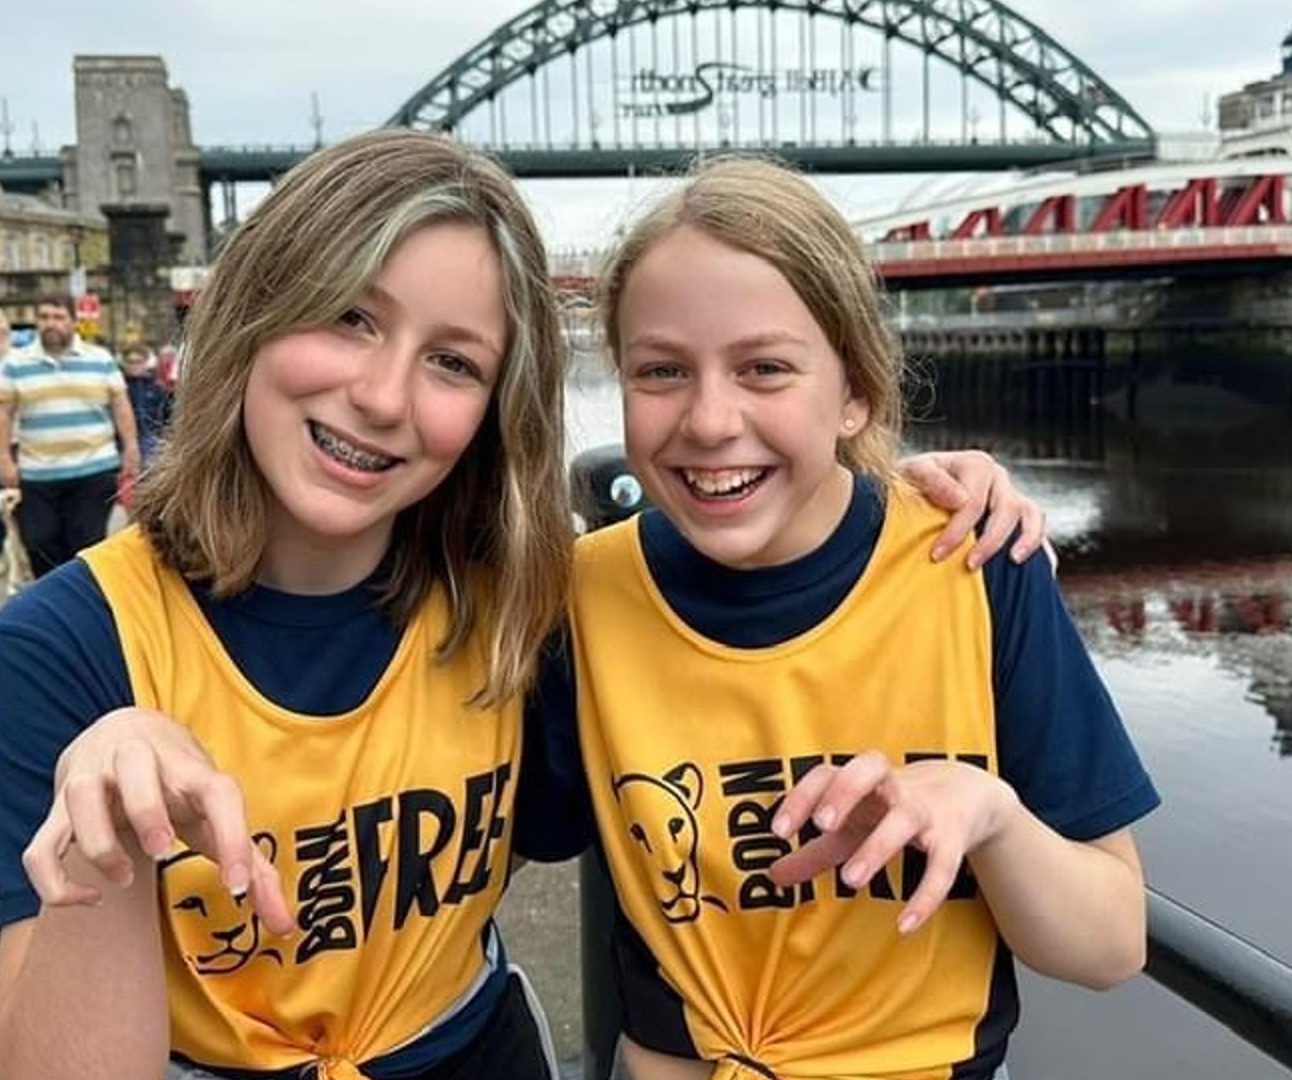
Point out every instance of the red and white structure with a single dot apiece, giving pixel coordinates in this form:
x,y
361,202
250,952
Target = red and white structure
x,y
1166,216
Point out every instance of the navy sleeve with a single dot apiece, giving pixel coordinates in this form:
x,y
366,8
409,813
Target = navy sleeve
x,y
553,808
1061,743
61,668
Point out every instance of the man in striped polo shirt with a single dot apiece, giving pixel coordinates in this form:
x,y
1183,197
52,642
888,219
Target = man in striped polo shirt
x,y
69,400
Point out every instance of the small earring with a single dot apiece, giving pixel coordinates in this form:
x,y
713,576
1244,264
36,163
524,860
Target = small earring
x,y
849,424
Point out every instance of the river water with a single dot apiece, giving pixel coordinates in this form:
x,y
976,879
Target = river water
x,y
1175,537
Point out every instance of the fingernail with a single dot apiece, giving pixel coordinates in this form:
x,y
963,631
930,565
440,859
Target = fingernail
x,y
125,877
237,881
854,874
1016,554
907,923
824,818
939,553
781,826
973,561
158,843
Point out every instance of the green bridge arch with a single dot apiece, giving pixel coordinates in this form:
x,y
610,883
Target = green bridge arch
x,y
984,39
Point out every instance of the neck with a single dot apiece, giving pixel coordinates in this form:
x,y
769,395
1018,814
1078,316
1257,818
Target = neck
x,y
318,566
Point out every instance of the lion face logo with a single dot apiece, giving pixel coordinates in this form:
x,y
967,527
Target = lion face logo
x,y
217,933
660,813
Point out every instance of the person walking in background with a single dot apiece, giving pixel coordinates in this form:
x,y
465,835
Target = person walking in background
x,y
70,402
149,400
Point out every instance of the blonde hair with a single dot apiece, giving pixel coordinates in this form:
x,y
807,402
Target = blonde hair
x,y
764,208
303,257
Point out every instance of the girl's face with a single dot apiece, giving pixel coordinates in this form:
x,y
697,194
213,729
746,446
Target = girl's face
x,y
733,402
352,422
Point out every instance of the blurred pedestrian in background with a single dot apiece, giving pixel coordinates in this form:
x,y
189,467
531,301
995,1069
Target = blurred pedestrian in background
x,y
149,400
70,401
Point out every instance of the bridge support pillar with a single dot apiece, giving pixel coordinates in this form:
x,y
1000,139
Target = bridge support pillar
x,y
229,203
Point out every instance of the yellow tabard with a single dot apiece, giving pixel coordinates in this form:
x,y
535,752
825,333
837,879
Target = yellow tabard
x,y
390,826
689,746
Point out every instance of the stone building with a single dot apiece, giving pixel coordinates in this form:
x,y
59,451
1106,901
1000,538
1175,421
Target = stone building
x,y
40,246
135,146
1258,118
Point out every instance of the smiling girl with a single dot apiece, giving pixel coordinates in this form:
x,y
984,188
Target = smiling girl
x,y
335,554
838,785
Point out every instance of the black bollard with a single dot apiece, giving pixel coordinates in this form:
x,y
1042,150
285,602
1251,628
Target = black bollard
x,y
603,489
604,492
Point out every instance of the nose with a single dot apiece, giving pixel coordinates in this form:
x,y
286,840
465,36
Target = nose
x,y
713,411
380,387
229,936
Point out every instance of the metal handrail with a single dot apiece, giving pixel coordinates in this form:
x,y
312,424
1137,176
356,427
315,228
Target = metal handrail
x,y
890,252
1231,980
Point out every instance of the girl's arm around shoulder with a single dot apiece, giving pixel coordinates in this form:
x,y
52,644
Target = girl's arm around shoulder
x,y
977,491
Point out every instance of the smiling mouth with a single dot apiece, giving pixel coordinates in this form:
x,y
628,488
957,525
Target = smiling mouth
x,y
349,455
722,484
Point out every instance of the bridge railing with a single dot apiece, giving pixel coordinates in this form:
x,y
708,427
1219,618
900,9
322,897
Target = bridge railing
x,y
257,148
585,263
1121,240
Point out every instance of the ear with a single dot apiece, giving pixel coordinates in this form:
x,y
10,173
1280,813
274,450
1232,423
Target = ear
x,y
688,781
856,413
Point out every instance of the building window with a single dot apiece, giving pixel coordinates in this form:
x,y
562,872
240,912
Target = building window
x,y
126,178
13,259
40,253
122,132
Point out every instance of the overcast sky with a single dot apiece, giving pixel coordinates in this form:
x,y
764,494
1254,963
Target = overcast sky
x,y
249,67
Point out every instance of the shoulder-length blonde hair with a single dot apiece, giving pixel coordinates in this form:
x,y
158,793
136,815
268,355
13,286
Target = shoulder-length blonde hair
x,y
305,255
764,208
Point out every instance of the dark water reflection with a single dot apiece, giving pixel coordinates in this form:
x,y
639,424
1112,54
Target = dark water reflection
x,y
1176,549
1176,545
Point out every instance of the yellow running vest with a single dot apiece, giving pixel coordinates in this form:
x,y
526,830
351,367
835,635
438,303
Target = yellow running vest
x,y
390,826
689,746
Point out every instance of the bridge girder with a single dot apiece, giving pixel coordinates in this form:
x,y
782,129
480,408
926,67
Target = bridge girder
x,y
984,39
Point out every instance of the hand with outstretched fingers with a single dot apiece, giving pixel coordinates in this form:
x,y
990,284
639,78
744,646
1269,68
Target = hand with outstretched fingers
x,y
971,484
867,811
136,780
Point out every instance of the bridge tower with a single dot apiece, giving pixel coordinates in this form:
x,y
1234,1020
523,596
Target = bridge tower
x,y
134,146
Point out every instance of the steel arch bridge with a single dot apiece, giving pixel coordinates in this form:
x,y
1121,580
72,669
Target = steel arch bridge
x,y
580,87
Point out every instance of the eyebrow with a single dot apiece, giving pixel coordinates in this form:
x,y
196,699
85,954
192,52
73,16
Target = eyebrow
x,y
750,341
454,332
